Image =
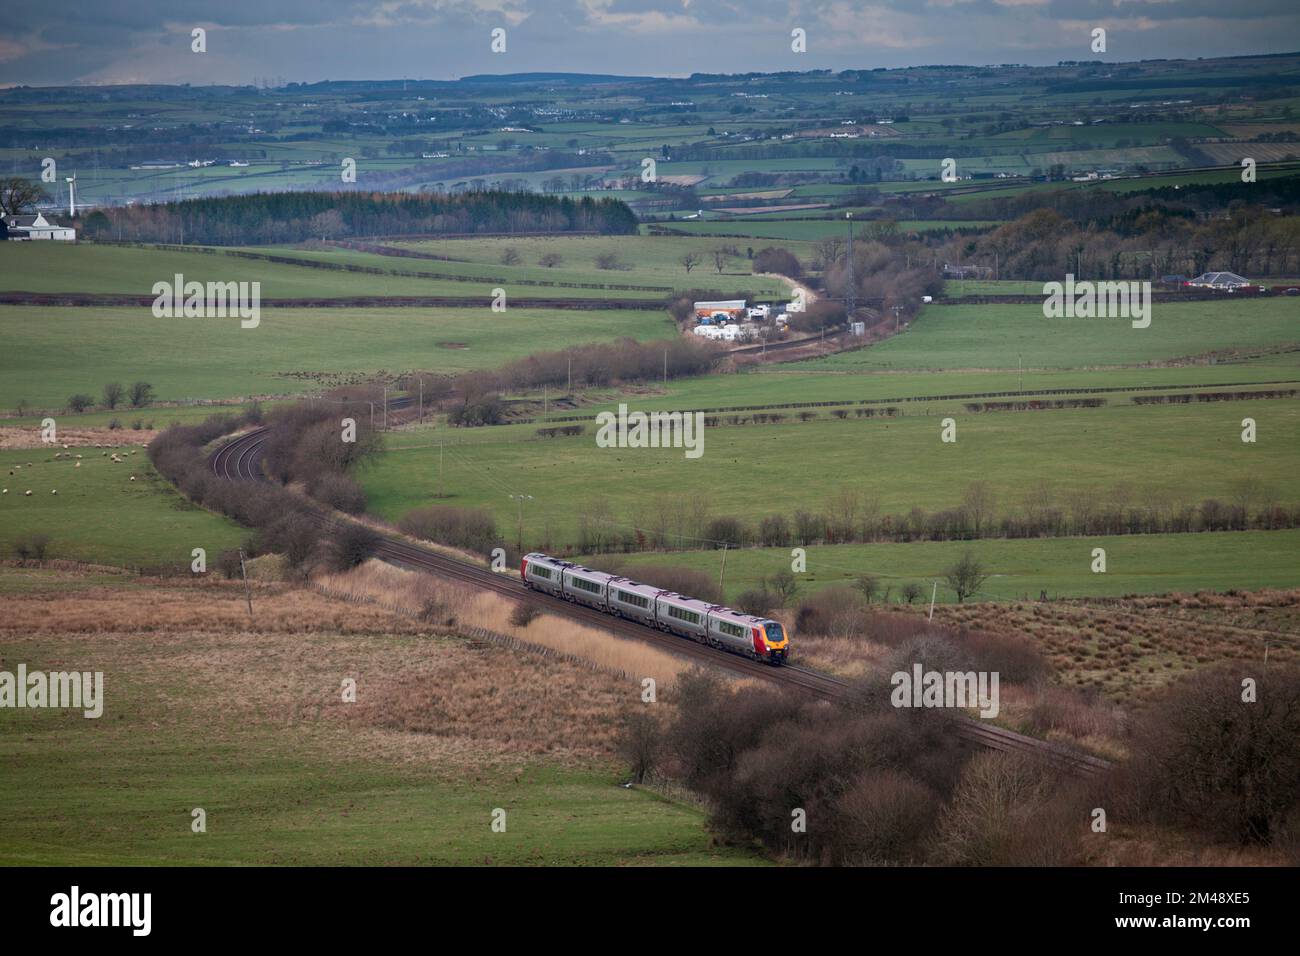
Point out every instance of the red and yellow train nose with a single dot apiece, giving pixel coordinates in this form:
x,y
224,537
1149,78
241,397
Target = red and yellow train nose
x,y
771,643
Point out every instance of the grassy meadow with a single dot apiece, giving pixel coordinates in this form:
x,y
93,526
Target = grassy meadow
x,y
53,353
1020,569
101,516
998,336
1177,453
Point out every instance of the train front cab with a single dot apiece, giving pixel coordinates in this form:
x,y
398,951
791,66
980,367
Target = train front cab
x,y
775,642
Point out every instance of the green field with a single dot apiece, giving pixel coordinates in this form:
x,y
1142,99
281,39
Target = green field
x,y
997,336
86,267
649,259
101,516
808,230
1135,564
1180,452
53,353
776,384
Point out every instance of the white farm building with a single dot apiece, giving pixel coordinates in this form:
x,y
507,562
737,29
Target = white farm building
x,y
37,227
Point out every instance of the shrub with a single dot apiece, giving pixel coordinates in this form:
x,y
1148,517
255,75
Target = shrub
x,y
113,393
1011,809
354,544
140,394
640,742
1205,758
33,546
836,611
80,402
884,816
473,529
778,260
340,492
524,614
756,601
228,564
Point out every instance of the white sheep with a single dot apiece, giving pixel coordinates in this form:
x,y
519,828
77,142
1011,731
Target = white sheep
x,y
54,491
27,493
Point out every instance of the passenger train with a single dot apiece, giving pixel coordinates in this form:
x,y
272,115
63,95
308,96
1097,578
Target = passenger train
x,y
712,624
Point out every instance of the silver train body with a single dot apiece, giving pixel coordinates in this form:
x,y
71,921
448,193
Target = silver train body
x,y
757,637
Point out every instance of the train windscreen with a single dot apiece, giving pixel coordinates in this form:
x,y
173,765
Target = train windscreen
x,y
775,633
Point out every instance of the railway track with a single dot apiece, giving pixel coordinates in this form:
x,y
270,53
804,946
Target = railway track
x,y
241,460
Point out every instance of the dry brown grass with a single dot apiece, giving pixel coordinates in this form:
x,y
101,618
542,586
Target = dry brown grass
x,y
187,653
421,593
1127,649
30,437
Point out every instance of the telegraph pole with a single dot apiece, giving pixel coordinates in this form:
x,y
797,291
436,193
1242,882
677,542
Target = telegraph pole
x,y
851,300
244,571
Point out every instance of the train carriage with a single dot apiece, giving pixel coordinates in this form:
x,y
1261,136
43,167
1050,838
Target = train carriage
x,y
682,615
631,600
585,586
543,572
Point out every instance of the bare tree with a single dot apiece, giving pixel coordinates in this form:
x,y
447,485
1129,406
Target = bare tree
x,y
690,261
17,195
720,258
113,393
966,576
978,503
141,394
829,250
328,223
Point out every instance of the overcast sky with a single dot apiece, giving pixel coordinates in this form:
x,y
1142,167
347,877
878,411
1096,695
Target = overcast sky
x,y
134,41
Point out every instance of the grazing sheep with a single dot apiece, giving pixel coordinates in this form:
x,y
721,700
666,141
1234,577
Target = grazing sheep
x,y
133,477
27,493
54,491
78,456
78,465
6,491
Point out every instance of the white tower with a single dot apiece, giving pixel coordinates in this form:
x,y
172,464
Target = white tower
x,y
72,195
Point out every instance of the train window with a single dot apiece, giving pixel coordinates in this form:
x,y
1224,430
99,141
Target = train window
x,y
634,599
591,586
735,630
540,571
